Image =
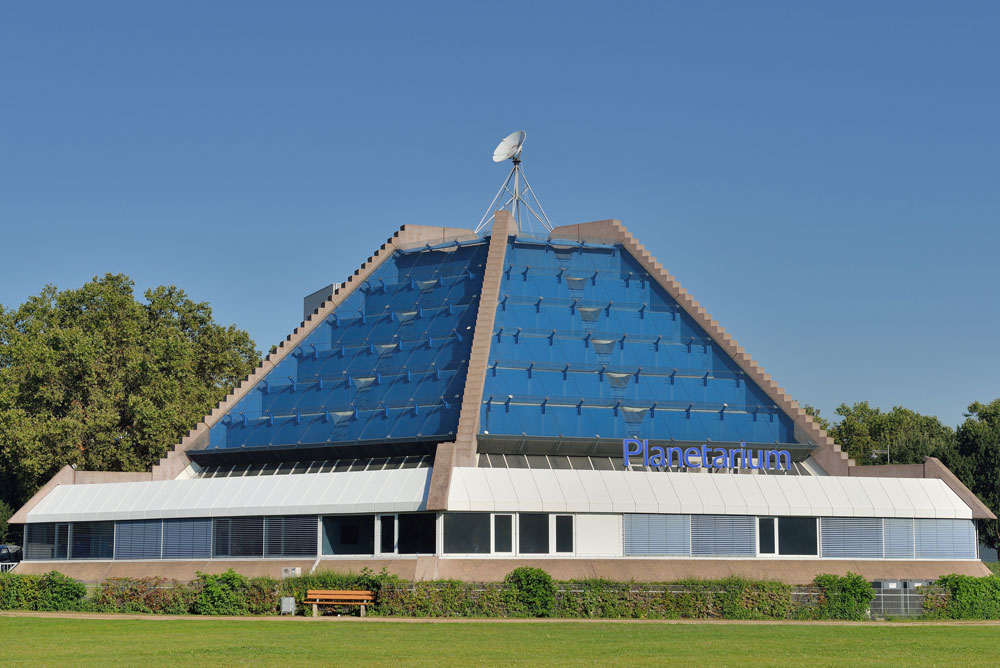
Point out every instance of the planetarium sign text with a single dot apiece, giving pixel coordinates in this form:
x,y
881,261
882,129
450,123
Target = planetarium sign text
x,y
634,449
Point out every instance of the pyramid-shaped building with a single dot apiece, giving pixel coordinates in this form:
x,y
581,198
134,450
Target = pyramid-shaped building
x,y
464,404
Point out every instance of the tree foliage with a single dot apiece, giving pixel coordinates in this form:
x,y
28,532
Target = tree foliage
x,y
909,436
977,460
94,377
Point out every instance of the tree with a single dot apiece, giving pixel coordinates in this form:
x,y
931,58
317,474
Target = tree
x,y
909,436
977,460
813,412
94,377
6,535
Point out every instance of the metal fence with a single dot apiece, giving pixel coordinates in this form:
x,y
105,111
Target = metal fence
x,y
7,566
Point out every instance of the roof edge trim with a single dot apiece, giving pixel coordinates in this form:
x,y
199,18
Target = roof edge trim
x,y
829,455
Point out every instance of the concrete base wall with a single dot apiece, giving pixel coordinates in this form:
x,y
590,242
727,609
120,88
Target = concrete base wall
x,y
791,571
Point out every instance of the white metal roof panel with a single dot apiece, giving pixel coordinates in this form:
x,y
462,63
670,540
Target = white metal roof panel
x,y
628,491
287,494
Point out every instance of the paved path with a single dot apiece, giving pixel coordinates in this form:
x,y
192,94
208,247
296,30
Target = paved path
x,y
464,620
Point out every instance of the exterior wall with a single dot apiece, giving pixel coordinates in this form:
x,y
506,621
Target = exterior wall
x,y
596,538
599,535
493,570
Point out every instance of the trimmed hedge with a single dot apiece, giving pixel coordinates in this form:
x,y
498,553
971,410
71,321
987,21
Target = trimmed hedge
x,y
526,592
965,597
841,597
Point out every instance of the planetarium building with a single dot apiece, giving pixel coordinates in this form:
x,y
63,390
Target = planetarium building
x,y
467,403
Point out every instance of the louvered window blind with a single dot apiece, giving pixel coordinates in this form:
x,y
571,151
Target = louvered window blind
x,y
138,539
851,537
723,535
657,534
897,537
291,536
944,539
189,538
238,537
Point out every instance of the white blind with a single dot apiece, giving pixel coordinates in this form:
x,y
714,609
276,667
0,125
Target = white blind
x,y
851,537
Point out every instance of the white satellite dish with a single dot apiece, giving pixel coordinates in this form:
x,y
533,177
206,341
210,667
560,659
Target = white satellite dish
x,y
510,147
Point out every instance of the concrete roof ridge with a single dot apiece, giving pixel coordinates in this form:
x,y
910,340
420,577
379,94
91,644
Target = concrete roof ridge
x,y
463,451
829,455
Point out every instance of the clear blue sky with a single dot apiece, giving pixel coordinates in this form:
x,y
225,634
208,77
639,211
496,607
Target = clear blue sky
x,y
823,177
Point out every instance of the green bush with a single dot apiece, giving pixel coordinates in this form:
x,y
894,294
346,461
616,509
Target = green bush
x,y
228,593
19,592
534,591
152,595
967,597
841,597
60,592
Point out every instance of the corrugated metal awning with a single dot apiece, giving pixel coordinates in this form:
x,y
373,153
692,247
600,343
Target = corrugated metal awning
x,y
539,490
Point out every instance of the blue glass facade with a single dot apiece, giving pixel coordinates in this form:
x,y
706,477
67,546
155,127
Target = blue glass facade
x,y
389,365
586,345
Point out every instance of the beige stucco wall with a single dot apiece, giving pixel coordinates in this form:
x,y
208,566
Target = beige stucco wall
x,y
791,571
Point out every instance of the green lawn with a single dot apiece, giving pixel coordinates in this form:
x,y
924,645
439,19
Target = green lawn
x,y
158,642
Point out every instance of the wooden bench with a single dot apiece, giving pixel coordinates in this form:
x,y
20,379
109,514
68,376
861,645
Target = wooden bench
x,y
318,597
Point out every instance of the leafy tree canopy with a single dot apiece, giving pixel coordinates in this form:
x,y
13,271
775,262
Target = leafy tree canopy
x,y
909,436
977,460
94,377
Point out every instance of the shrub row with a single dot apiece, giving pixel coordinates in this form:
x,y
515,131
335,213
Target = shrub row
x,y
526,592
964,597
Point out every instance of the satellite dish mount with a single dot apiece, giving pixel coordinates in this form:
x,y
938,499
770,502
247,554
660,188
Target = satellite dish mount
x,y
515,199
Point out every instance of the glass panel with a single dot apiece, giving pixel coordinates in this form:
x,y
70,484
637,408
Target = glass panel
x,y
503,533
238,537
349,534
61,550
797,535
418,533
93,540
765,529
533,530
387,525
467,533
564,533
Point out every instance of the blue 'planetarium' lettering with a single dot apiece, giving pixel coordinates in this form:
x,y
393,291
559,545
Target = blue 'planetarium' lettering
x,y
707,457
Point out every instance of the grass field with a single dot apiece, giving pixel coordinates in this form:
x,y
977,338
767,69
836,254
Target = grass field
x,y
27,641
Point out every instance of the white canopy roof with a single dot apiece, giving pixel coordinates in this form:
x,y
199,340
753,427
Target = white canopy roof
x,y
573,491
505,490
399,490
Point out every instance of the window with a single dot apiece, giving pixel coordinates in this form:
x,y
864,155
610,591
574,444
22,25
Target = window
x,y
138,539
292,536
467,533
92,540
387,530
797,536
533,533
46,541
418,533
657,534
349,534
189,538
564,533
503,533
787,536
238,537
765,532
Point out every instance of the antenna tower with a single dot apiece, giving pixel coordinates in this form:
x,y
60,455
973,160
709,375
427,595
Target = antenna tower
x,y
514,190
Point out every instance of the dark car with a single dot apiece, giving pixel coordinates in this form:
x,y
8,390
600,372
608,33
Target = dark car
x,y
10,554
